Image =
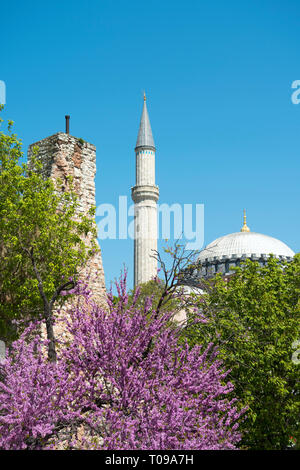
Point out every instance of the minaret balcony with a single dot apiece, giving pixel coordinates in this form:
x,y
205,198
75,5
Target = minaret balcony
x,y
144,192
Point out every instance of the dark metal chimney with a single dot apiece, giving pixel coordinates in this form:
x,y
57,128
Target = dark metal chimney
x,y
67,124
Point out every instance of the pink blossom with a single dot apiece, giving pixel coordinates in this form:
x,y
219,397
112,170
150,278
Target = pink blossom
x,y
124,377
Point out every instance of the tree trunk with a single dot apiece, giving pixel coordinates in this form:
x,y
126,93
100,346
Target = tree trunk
x,y
50,333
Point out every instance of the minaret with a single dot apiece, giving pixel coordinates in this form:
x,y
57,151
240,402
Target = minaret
x,y
145,196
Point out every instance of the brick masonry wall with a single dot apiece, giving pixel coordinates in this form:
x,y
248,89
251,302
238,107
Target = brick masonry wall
x,y
62,155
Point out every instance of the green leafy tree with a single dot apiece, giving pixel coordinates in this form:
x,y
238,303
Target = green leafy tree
x,y
43,241
161,300
254,319
166,289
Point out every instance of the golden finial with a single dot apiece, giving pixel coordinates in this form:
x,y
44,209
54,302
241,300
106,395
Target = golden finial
x,y
144,96
244,227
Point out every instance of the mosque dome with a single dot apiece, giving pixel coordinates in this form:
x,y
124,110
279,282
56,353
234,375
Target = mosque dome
x,y
228,251
245,244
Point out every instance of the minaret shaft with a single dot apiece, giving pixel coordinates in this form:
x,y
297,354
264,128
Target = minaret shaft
x,y
145,196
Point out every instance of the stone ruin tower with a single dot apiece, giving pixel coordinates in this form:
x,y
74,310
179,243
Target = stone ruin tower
x,y
62,155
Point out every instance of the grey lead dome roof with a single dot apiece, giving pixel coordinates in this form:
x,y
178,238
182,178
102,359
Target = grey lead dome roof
x,y
145,138
244,243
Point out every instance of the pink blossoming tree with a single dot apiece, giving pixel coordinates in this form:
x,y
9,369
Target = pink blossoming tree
x,y
123,378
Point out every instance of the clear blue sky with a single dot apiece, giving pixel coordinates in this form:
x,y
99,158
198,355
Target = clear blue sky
x,y
218,78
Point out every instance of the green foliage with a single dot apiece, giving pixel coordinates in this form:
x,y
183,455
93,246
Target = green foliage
x,y
155,289
254,319
37,222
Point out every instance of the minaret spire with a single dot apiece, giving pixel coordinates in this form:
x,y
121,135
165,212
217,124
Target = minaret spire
x,y
145,196
145,137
